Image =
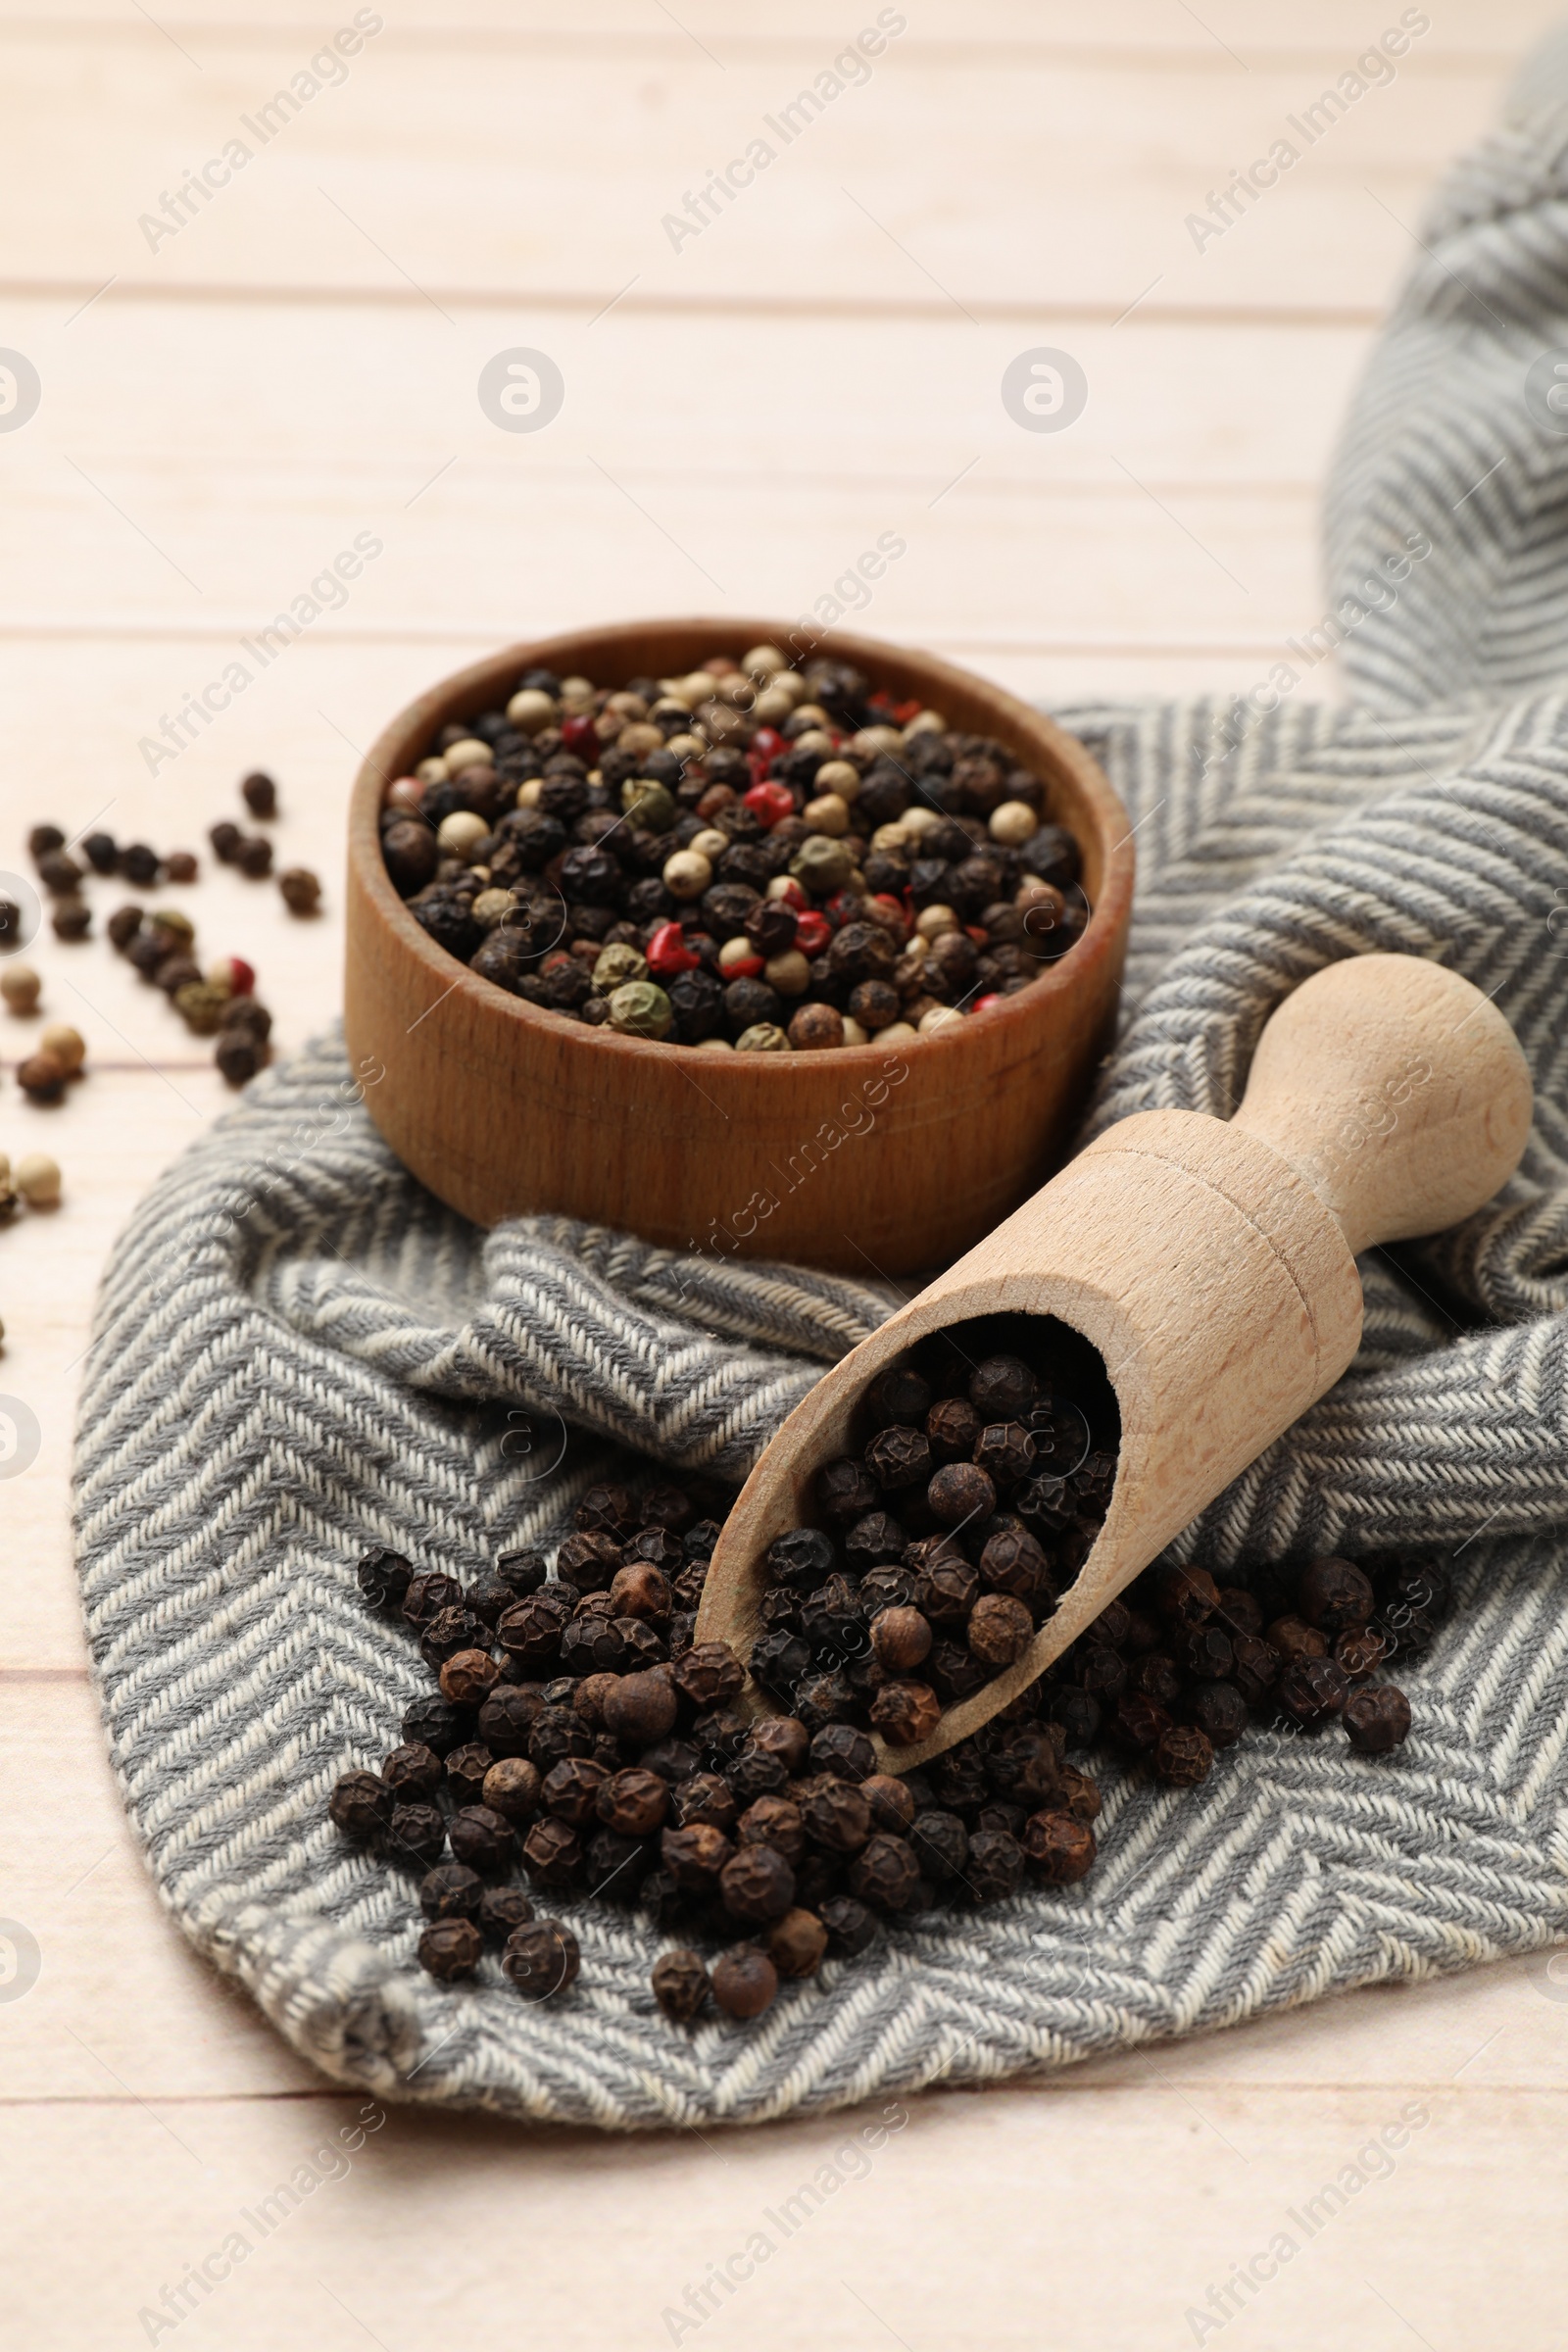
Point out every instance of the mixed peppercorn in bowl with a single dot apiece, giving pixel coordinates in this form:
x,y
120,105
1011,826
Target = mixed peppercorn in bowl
x,y
752,856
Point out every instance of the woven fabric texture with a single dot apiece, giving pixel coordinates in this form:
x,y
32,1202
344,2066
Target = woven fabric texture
x,y
298,1353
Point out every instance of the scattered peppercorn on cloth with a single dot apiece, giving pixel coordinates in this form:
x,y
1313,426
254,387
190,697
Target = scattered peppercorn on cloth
x,y
299,1354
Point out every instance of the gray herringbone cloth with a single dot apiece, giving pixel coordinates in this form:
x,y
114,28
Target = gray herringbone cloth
x,y
347,1364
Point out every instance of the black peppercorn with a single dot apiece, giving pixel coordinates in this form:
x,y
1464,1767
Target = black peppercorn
x,y
773,1821
1294,1639
836,1817
260,793
466,1768
1219,1711
1238,1611
757,1884
1006,1451
506,1719
948,1588
502,1911
994,1867
510,1787
841,1749
1204,1652
850,1927
744,1982
641,1707
1139,1722
467,1677
695,1855
1254,1669
1183,1755
361,1805
754,1773
446,1632
954,1671
1360,1652
413,1770
541,1959
999,1629
1333,1595
886,1874
1059,1849
780,1657
898,1395
703,1796
845,1492
383,1579
681,1986
435,1725
1077,1711
710,1675
906,1712
1186,1597
952,1430
1003,1388
941,1845
1013,1562
481,1838
1158,1677
874,1542
890,1802
901,1639
570,1791
451,1948
802,1560
1377,1718
451,1891
553,1853
797,1942
416,1834
960,1492
899,1457
1312,1690
589,1560
634,1803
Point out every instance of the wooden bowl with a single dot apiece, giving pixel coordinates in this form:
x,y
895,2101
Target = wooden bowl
x,y
865,1161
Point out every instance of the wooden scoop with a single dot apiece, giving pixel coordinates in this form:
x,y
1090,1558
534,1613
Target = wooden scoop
x,y
1212,1266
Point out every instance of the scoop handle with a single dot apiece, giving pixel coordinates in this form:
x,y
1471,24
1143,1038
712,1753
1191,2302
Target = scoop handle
x,y
1397,1090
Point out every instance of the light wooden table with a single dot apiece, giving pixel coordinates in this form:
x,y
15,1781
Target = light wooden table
x,y
222,410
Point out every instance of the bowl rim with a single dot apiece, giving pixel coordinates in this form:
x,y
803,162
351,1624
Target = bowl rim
x,y
379,768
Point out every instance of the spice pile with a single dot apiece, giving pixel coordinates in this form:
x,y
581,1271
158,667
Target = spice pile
x,y
220,1001
752,857
579,1731
982,1484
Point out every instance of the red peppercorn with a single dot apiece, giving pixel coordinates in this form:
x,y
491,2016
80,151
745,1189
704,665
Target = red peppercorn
x,y
766,743
745,967
984,1003
580,736
813,933
768,803
668,951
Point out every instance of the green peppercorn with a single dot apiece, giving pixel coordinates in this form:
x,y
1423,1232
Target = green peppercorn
x,y
640,1009
822,865
200,1004
648,805
618,966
